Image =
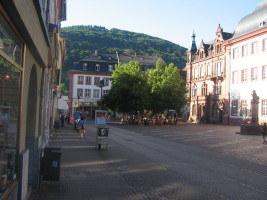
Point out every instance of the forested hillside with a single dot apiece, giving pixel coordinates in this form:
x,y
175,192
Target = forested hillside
x,y
84,40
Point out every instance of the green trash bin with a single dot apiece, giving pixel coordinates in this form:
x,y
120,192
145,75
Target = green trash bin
x,y
50,167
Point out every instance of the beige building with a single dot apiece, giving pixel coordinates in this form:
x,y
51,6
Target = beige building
x,y
207,80
31,57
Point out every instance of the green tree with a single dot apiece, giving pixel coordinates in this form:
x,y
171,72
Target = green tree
x,y
129,92
167,88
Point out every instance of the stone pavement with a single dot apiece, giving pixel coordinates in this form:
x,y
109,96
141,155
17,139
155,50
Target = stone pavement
x,y
90,174
83,171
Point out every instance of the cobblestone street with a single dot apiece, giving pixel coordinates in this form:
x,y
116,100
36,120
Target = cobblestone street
x,y
187,161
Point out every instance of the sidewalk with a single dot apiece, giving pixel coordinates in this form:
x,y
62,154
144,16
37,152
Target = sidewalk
x,y
84,172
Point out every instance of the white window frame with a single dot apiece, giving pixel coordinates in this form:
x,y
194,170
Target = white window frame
x,y
88,82
96,80
235,53
79,92
87,93
96,93
264,72
97,67
254,48
244,75
235,77
254,74
244,50
80,80
110,68
85,65
264,107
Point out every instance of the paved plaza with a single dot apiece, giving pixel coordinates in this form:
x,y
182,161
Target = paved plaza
x,y
186,161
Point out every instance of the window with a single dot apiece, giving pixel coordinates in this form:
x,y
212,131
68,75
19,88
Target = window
x,y
234,107
96,94
217,88
254,48
195,73
218,68
264,72
244,75
201,71
243,110
254,74
208,70
106,81
79,93
9,120
88,80
264,107
194,91
80,80
218,48
97,81
85,66
235,78
244,50
97,67
87,93
264,45
235,53
110,68
204,89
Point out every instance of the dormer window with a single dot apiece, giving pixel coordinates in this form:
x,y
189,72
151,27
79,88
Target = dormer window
x,y
110,68
97,67
109,57
262,23
85,66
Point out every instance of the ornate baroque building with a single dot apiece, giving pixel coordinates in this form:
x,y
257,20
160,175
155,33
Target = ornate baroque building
x,y
207,80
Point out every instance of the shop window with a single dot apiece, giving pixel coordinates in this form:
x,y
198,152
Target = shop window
x,y
9,115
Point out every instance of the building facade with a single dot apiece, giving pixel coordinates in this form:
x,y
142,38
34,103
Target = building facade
x,y
31,57
90,79
207,80
249,66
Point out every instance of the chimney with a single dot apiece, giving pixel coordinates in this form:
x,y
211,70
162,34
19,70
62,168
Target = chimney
x,y
96,52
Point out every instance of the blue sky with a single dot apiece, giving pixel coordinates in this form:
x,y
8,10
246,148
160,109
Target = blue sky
x,y
172,20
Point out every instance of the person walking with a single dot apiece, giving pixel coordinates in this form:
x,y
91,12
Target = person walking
x,y
264,133
62,118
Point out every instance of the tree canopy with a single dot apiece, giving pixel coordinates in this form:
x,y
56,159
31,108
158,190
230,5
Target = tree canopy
x,y
157,89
